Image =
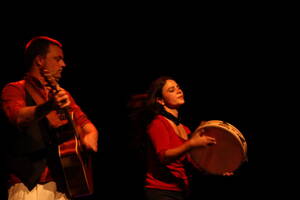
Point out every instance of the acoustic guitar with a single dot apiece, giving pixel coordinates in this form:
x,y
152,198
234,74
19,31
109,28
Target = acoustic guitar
x,y
75,160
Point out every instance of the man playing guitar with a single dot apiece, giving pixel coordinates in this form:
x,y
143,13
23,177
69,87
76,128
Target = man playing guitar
x,y
34,106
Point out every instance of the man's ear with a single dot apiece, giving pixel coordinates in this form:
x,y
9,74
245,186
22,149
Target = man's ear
x,y
160,101
39,60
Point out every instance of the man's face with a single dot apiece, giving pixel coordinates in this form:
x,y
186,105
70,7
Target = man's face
x,y
54,61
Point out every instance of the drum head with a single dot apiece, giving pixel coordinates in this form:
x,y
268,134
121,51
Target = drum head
x,y
225,156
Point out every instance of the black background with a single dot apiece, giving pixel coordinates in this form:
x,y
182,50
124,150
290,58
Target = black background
x,y
226,65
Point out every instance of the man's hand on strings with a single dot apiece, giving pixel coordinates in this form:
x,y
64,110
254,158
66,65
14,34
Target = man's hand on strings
x,y
60,99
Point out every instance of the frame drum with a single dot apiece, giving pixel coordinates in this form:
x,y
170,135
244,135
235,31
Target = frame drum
x,y
229,152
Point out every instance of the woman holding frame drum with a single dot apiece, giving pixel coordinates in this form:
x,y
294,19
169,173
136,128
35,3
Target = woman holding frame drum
x,y
169,142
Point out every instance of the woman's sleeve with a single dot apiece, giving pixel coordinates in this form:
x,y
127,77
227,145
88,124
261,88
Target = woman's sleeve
x,y
159,137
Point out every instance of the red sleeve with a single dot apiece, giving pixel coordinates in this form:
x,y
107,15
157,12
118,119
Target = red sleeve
x,y
159,136
187,130
13,99
80,117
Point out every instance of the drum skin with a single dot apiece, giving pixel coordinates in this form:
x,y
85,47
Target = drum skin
x,y
229,152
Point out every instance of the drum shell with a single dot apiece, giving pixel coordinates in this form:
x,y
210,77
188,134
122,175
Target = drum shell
x,y
229,152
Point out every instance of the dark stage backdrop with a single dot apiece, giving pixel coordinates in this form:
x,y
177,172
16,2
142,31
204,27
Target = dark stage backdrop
x,y
223,75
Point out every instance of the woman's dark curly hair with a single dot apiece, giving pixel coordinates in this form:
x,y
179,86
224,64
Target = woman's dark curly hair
x,y
144,108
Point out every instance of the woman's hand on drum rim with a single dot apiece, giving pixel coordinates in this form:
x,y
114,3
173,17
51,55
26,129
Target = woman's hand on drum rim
x,y
201,141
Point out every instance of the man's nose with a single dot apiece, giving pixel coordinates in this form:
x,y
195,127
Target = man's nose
x,y
63,64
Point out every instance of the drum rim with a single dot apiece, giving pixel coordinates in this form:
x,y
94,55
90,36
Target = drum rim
x,y
236,133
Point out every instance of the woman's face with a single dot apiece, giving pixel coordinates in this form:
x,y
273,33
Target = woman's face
x,y
172,95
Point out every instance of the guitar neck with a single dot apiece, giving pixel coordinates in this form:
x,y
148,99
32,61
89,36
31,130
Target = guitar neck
x,y
53,84
69,116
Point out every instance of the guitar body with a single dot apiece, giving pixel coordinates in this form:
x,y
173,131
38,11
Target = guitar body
x,y
77,168
74,159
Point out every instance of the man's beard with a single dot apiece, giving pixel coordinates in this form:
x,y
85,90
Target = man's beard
x,y
57,75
